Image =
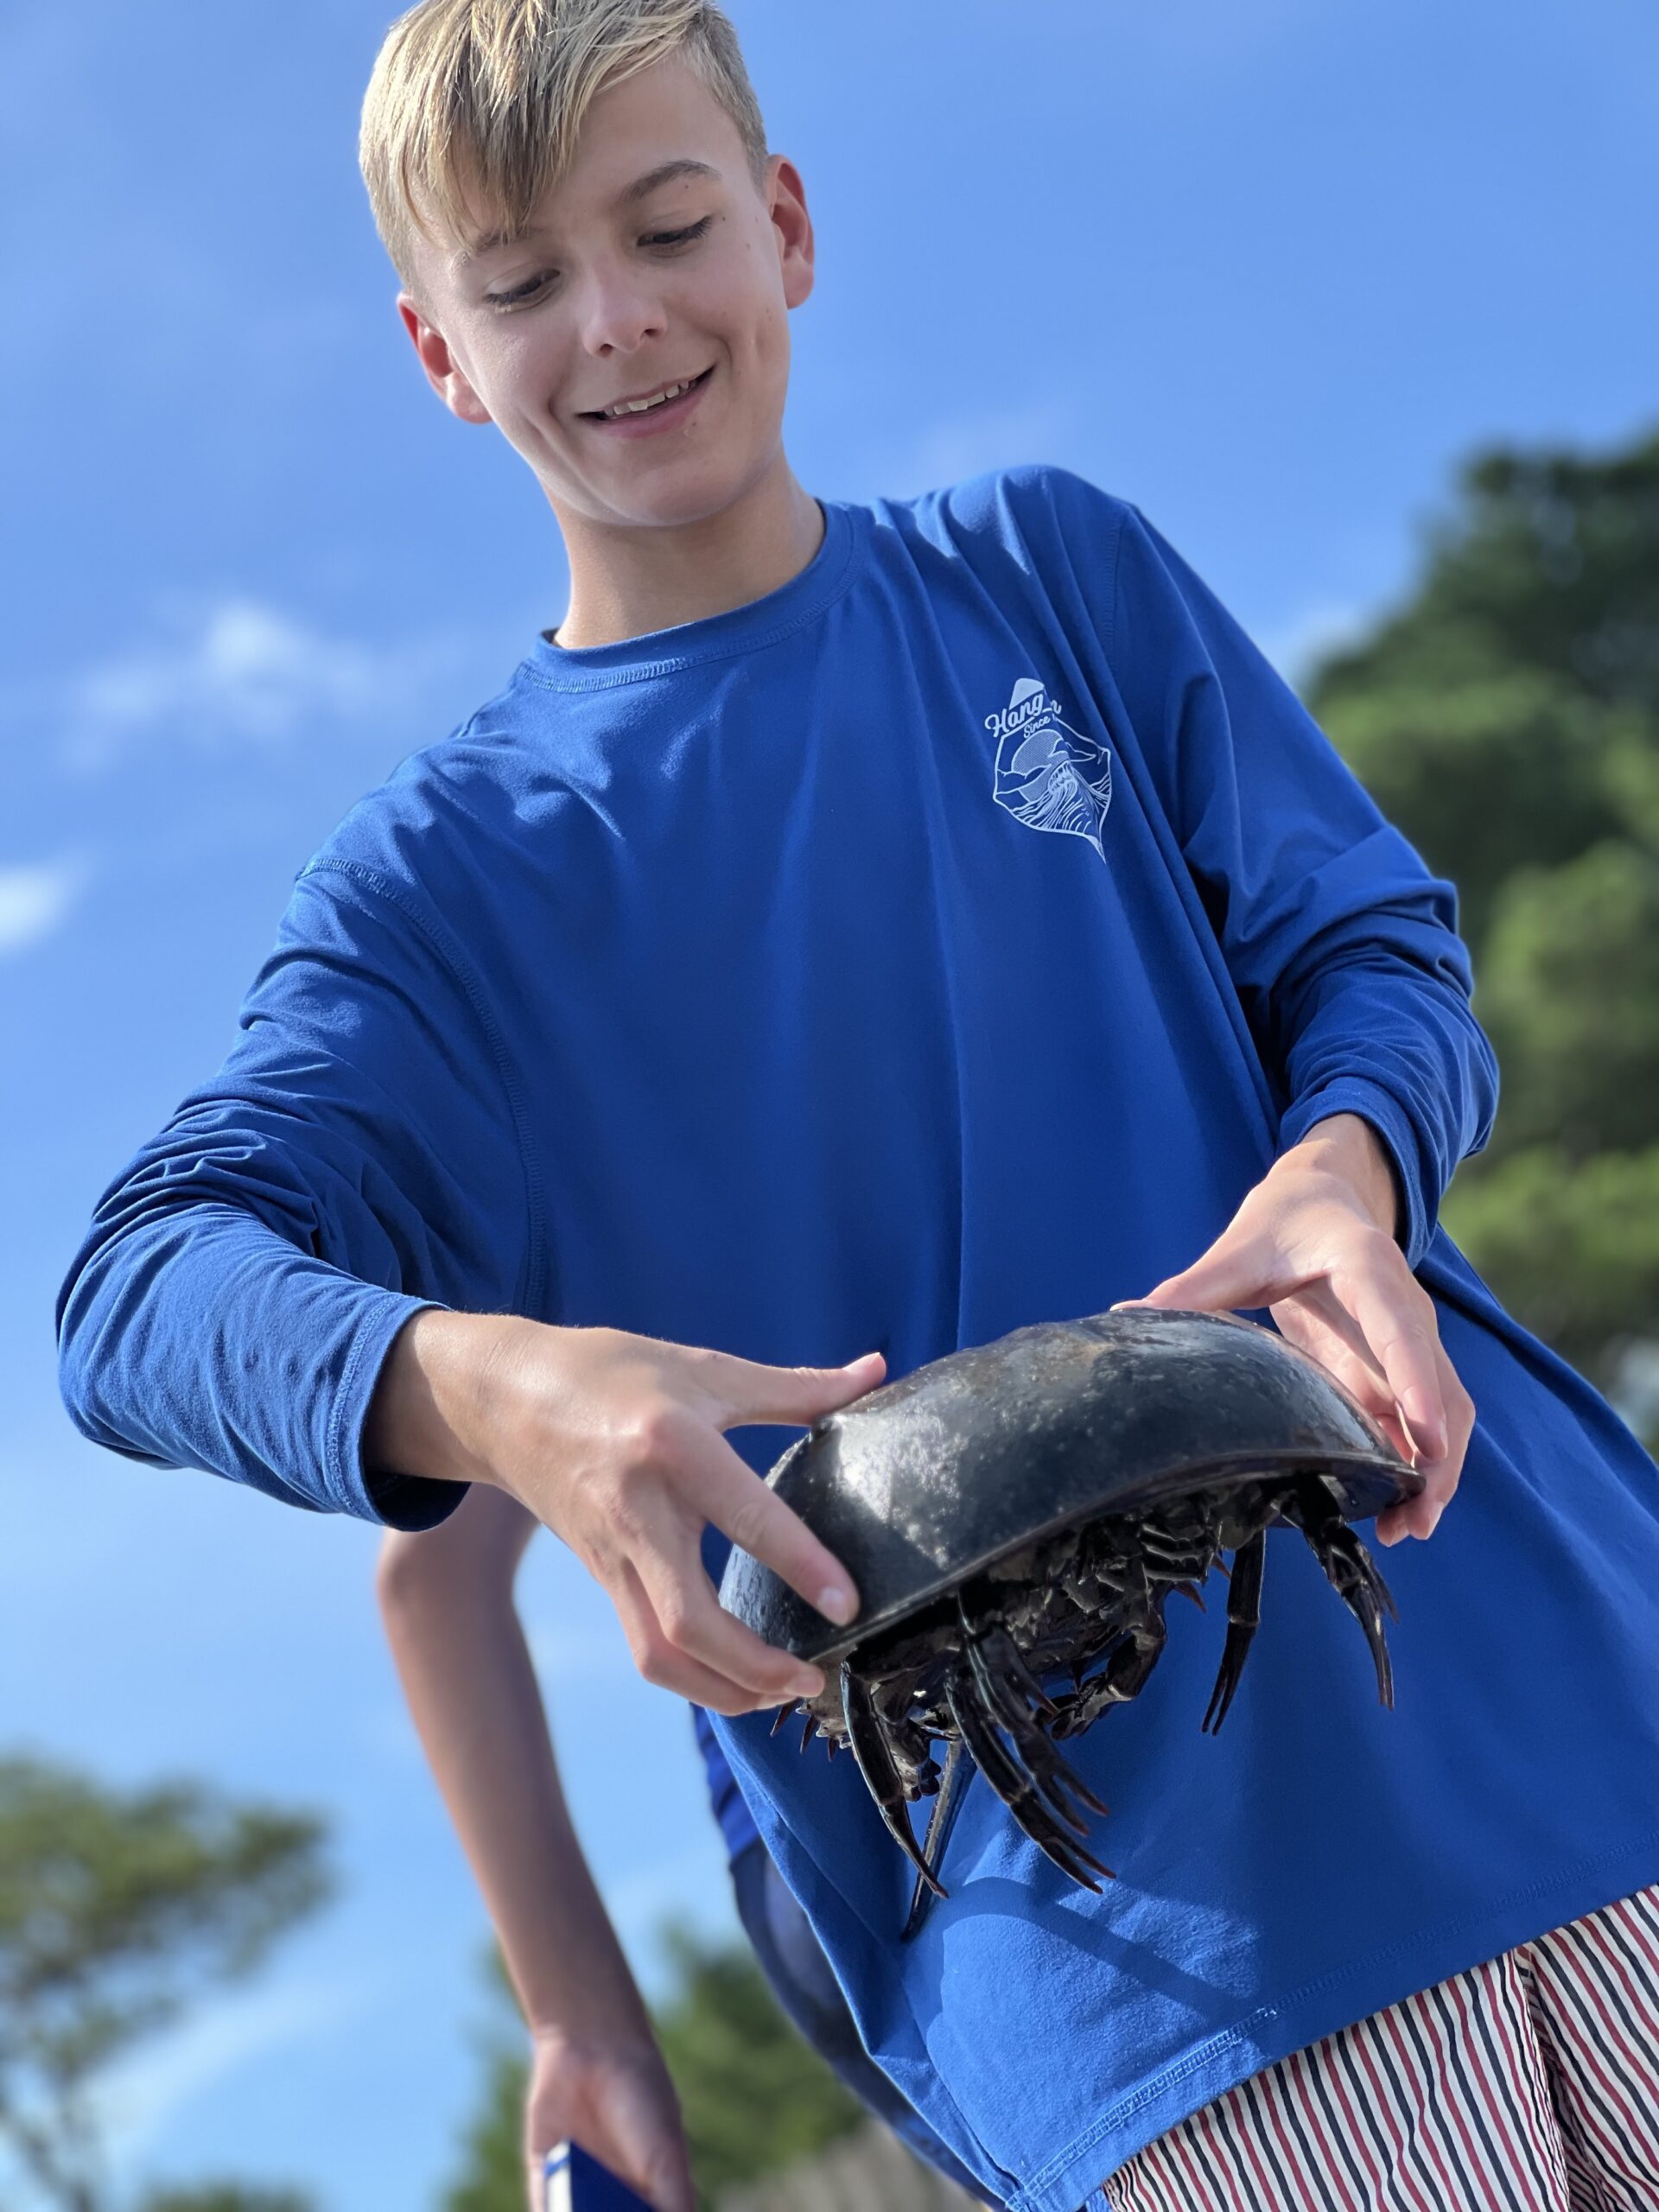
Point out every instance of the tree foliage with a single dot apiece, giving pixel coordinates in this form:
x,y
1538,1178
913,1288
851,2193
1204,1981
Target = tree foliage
x,y
1545,560
754,2096
117,1909
1507,718
490,2174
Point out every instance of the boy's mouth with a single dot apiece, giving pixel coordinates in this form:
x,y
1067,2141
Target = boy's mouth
x,y
666,402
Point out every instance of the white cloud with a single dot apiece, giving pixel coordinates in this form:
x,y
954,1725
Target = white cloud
x,y
968,444
36,901
139,2099
996,437
236,673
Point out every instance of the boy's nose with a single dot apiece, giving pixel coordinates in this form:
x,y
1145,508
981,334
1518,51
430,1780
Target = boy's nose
x,y
619,316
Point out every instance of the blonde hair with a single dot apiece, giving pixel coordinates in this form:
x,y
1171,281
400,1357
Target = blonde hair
x,y
473,105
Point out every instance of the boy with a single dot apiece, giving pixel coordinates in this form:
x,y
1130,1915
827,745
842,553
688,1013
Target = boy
x,y
877,928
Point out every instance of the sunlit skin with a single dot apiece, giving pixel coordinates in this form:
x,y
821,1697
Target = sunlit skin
x,y
617,292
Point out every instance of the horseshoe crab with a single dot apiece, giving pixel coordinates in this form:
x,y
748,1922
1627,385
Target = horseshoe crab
x,y
1015,1517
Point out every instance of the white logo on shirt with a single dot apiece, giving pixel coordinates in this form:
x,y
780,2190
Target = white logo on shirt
x,y
1048,775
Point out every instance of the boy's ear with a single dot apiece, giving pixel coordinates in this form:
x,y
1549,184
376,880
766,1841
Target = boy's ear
x,y
443,374
792,226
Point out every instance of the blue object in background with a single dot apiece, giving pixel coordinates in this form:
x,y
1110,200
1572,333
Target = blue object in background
x,y
574,2181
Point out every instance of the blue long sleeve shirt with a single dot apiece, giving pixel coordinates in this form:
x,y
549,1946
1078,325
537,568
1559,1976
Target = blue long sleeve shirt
x,y
945,942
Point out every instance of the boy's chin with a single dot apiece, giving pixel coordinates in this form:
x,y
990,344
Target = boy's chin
x,y
697,498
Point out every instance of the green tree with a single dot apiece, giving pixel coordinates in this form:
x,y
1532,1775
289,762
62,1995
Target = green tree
x,y
117,1909
1488,772
490,2176
1507,718
1546,560
1574,1243
753,2095
1570,996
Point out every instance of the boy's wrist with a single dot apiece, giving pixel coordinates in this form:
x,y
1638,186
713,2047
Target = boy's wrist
x,y
430,1413
577,2024
1348,1147
575,1987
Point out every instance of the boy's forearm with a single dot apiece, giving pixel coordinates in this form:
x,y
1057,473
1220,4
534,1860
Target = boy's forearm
x,y
472,1690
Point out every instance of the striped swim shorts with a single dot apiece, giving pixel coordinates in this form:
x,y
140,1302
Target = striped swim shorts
x,y
1529,2084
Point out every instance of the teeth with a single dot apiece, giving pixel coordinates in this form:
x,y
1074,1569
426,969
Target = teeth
x,y
643,406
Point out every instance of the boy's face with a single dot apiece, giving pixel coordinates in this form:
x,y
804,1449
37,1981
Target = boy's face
x,y
655,261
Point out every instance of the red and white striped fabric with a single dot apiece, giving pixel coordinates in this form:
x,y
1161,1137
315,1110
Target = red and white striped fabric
x,y
1531,2084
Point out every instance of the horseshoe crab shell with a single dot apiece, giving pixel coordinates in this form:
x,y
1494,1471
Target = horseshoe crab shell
x,y
931,1478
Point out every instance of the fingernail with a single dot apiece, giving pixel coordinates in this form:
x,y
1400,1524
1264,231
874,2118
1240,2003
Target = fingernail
x,y
808,1684
1426,1425
836,1604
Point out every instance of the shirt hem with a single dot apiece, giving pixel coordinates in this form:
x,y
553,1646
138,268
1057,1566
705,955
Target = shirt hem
x,y
1320,2008
348,1485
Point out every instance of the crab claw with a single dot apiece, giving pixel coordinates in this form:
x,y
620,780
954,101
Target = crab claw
x,y
958,1773
1049,1773
1244,1618
1353,1573
1003,1652
1016,1787
869,1743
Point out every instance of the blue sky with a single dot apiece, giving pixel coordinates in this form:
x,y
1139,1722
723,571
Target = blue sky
x,y
1270,271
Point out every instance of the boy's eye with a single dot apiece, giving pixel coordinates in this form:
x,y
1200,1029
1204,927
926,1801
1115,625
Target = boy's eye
x,y
520,292
670,240
677,237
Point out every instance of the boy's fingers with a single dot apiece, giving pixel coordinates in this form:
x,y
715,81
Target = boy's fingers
x,y
754,1674
1442,1472
1419,1515
656,2163
1225,1277
690,1619
1398,1327
724,1491
671,1665
1361,1379
798,1396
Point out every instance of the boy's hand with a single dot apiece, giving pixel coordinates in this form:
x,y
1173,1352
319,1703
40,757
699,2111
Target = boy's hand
x,y
617,2101
1313,1242
614,1442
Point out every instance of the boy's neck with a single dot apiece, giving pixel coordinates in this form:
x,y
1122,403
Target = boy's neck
x,y
625,582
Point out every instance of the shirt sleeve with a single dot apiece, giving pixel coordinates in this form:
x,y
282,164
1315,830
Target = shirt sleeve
x,y
354,1161
1343,947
